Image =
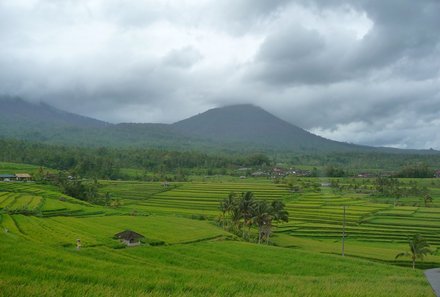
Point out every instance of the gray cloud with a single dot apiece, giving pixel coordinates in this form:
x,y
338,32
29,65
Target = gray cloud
x,y
359,71
184,58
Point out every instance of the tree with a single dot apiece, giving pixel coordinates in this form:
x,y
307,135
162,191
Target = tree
x,y
420,170
419,248
227,206
427,199
389,187
331,171
246,212
265,214
262,217
279,213
107,198
246,208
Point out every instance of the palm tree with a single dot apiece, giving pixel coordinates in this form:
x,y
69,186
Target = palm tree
x,y
223,209
279,214
227,206
236,218
246,207
262,217
419,248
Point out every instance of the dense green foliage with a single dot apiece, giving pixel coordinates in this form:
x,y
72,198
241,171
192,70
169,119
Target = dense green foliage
x,y
106,162
415,171
244,212
159,164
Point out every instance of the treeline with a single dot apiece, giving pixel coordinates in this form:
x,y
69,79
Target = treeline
x,y
382,187
86,190
418,170
107,162
415,171
357,161
392,187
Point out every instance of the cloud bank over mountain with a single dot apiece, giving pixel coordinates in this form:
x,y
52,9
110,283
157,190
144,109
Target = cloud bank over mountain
x,y
361,71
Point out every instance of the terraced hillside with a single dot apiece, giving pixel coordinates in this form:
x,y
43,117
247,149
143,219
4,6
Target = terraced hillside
x,y
42,200
185,253
315,218
187,198
320,215
11,168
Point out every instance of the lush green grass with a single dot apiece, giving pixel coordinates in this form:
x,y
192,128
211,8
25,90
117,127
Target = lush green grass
x,y
192,256
12,168
195,198
99,230
198,269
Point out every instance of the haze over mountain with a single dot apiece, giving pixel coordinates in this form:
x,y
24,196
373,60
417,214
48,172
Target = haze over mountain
x,y
238,127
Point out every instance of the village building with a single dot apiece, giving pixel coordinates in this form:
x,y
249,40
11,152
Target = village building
x,y
23,177
258,173
278,172
365,175
130,238
7,177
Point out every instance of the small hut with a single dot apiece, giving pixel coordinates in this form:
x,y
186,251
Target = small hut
x,y
23,176
130,238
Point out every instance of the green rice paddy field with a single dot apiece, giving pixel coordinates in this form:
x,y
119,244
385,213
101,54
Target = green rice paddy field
x,y
186,253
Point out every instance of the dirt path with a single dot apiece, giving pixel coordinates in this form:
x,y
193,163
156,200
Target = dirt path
x,y
433,276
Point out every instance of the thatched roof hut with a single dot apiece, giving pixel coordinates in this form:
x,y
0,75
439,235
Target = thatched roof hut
x,y
23,176
130,238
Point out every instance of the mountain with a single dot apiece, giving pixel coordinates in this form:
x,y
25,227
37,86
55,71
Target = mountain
x,y
41,122
23,113
231,128
252,125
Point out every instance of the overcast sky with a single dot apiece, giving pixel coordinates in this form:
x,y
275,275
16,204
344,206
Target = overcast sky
x,y
360,71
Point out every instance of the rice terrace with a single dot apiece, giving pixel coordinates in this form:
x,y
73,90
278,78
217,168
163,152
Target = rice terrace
x,y
188,252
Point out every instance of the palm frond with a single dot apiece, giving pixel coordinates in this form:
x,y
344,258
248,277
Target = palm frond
x,y
404,254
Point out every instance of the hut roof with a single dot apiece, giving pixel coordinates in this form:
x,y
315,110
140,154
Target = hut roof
x,y
128,235
23,175
7,175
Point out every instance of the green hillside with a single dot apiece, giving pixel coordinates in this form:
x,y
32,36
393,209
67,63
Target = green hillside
x,y
186,253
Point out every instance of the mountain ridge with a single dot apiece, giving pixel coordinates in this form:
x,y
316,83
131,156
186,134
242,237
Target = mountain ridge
x,y
242,127
231,123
